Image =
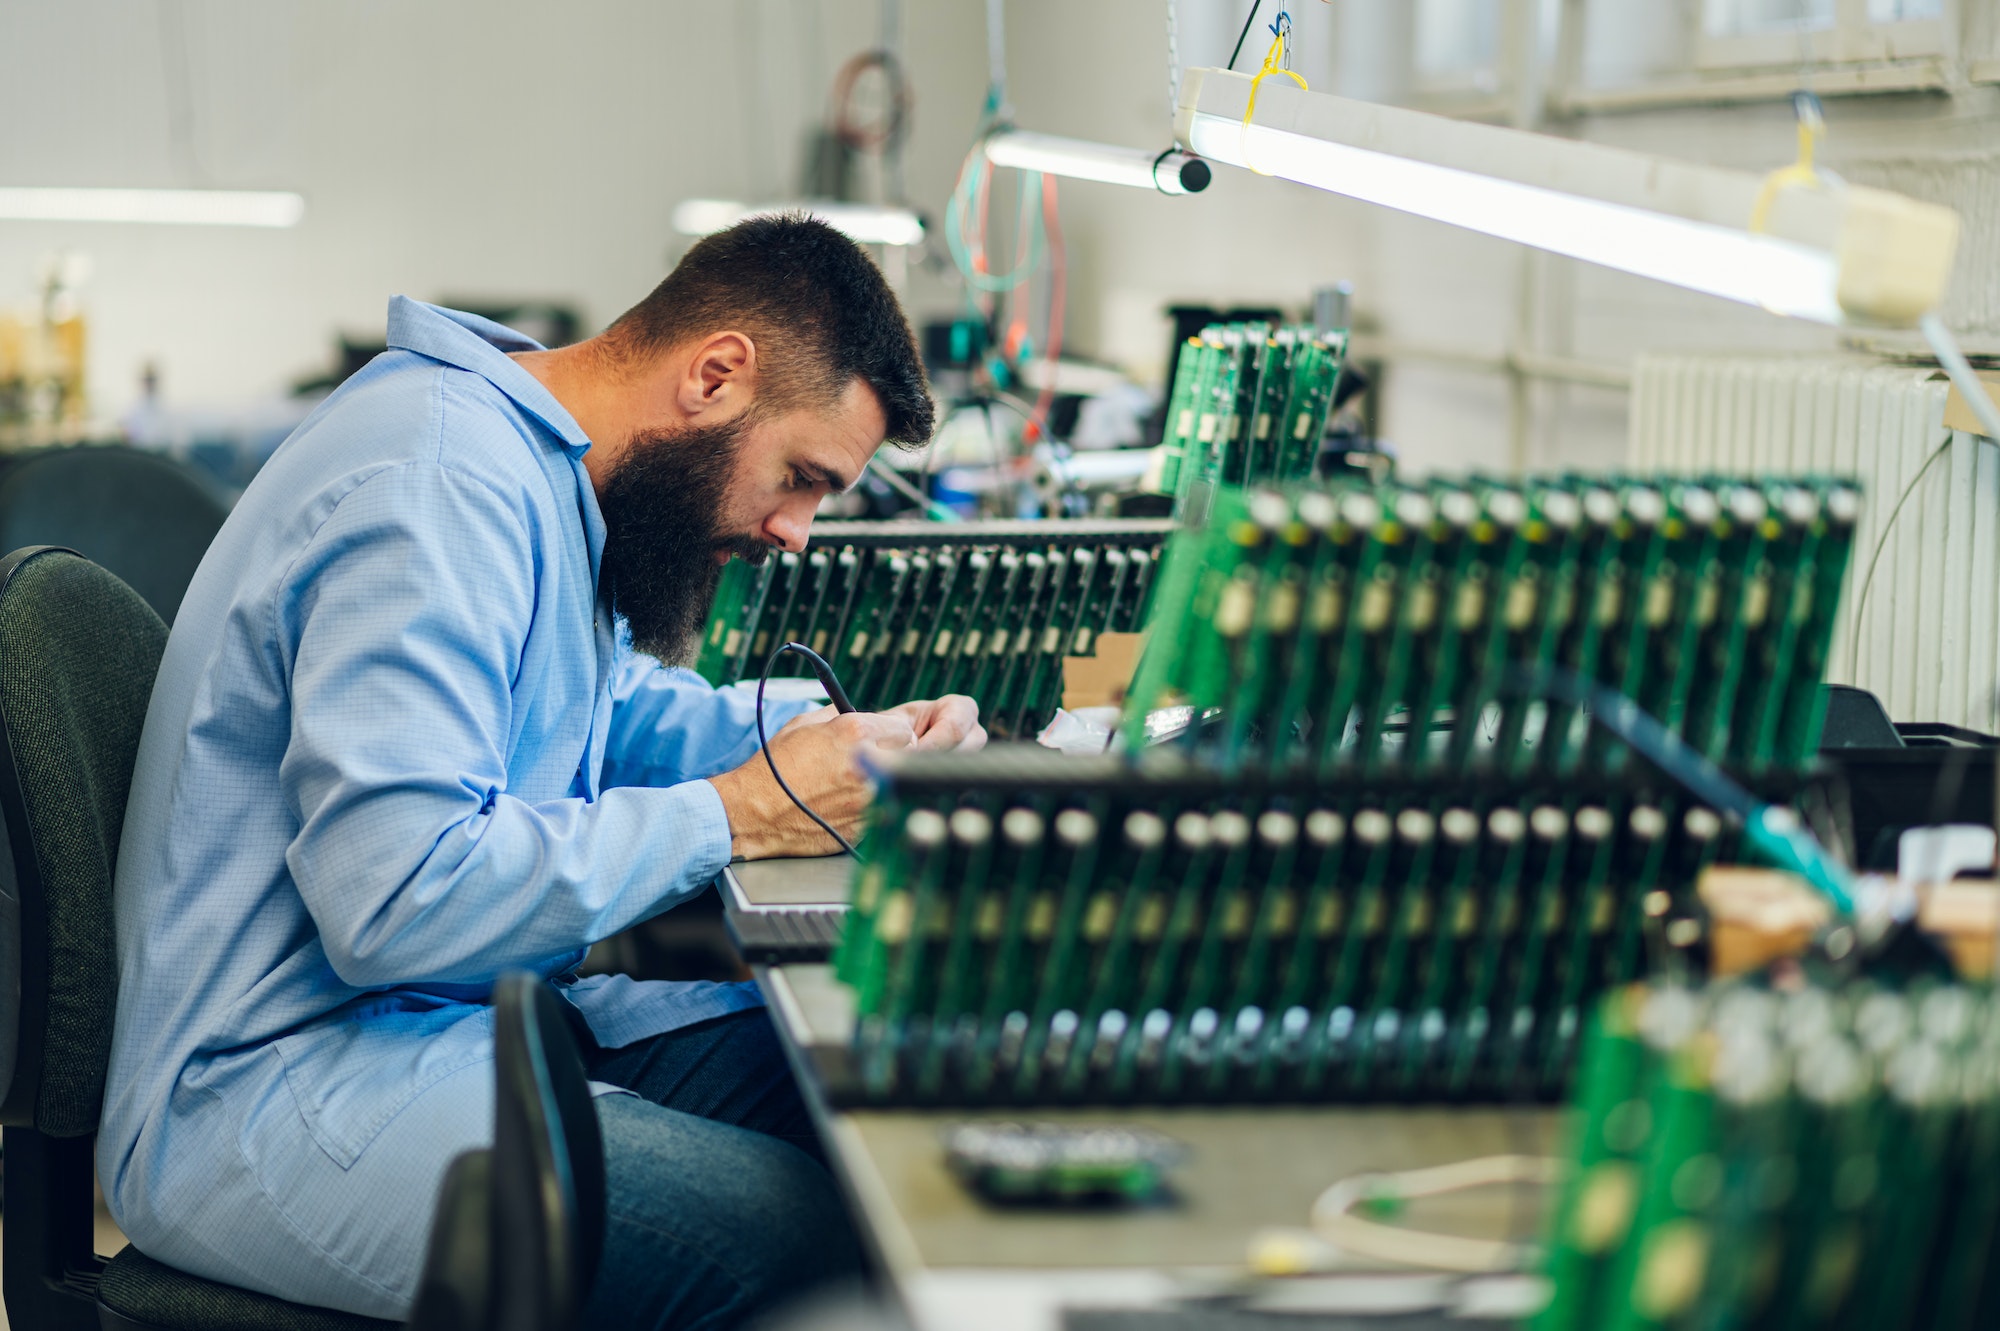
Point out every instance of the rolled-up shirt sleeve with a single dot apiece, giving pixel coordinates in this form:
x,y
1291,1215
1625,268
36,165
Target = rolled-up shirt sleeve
x,y
404,624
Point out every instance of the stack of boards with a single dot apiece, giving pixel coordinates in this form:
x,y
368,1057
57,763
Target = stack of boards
x,y
1030,928
1249,405
1371,626
907,610
1820,1158
1290,902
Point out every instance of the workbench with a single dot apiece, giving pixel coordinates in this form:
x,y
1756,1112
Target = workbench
x,y
956,1261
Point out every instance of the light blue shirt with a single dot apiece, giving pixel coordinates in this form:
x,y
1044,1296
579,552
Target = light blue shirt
x,y
396,747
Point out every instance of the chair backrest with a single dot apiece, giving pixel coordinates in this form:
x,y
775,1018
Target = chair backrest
x,y
455,1292
78,653
548,1163
143,516
520,1228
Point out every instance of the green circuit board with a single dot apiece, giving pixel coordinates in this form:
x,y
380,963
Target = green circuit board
x,y
1031,928
909,610
1249,406
1374,626
1816,1157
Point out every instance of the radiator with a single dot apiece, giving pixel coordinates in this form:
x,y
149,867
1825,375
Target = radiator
x,y
1922,630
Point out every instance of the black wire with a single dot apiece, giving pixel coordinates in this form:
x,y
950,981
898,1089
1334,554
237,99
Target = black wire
x,y
1248,19
1882,537
764,741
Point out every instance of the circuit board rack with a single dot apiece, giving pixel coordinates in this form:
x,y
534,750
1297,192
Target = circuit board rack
x,y
916,610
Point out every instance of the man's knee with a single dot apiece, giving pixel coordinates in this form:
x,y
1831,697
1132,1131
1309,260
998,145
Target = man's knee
x,y
712,1222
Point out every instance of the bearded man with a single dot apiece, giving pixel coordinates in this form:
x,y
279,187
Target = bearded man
x,y
412,730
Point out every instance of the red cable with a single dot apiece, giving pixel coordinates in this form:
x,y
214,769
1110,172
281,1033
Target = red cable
x,y
1058,282
889,132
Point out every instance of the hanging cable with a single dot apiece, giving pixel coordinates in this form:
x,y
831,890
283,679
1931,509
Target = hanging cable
x,y
885,135
965,229
996,60
1888,531
1248,19
1173,64
892,24
1037,427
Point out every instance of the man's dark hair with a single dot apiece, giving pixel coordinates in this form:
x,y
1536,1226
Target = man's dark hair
x,y
816,306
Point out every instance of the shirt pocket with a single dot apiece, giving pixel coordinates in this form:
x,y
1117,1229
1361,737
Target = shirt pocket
x,y
353,1072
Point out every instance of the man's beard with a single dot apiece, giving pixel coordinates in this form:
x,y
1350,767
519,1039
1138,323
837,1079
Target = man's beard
x,y
663,508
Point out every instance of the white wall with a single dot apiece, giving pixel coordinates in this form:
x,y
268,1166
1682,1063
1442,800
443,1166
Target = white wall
x,y
1431,285
498,148
488,148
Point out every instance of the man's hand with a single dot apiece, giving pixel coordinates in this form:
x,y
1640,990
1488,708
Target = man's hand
x,y
950,722
817,753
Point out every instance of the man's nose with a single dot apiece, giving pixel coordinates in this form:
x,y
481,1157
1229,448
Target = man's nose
x,y
790,525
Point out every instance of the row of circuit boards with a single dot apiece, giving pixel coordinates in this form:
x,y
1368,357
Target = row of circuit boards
x,y
1033,928
1366,870
1249,404
1377,626
1815,1158
917,610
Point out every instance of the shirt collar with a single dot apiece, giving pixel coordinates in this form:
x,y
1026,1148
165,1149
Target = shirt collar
x,y
481,346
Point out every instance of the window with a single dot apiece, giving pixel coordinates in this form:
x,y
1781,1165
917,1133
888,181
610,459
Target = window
x,y
1736,18
1737,34
1457,47
1630,54
1473,57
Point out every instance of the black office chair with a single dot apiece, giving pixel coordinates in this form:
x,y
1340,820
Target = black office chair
x,y
520,1228
141,515
78,653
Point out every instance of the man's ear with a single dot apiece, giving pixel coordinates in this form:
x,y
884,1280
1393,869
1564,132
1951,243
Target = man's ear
x,y
721,375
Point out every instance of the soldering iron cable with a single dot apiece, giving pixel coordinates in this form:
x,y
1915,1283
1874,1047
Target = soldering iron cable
x,y
838,696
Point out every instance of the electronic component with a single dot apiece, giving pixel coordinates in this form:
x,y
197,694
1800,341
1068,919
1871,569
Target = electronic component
x,y
1057,1164
1034,928
1360,626
1813,1158
908,610
1250,403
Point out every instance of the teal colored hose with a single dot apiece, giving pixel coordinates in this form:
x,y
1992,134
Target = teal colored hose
x,y
1772,833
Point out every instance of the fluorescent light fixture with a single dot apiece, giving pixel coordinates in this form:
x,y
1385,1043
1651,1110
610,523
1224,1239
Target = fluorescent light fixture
x,y
1170,172
1844,255
184,207
860,222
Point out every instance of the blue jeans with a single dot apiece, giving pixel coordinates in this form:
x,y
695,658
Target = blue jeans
x,y
720,1205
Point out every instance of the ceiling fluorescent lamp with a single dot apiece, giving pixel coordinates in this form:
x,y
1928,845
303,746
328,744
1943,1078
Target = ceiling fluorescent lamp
x,y
185,207
863,223
1170,172
1844,255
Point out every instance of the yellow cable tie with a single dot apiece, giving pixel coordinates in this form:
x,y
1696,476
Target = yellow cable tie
x,y
1800,172
1272,65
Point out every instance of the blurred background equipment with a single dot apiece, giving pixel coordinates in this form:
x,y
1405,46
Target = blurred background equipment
x,y
44,345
